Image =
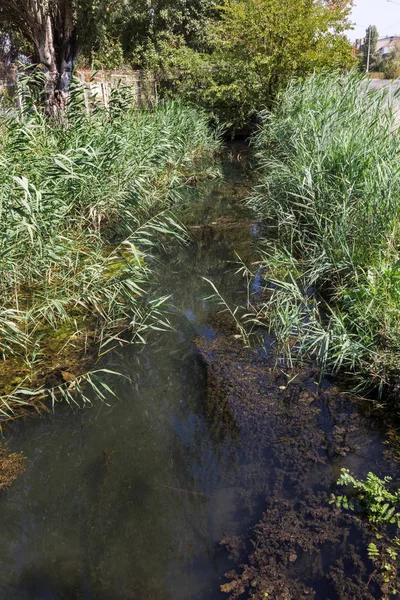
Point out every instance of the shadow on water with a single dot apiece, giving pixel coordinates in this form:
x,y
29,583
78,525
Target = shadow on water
x,y
132,500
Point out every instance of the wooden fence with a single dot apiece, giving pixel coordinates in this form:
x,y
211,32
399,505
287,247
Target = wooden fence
x,y
97,87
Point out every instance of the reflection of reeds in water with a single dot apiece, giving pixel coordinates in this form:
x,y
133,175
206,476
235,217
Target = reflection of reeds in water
x,y
232,312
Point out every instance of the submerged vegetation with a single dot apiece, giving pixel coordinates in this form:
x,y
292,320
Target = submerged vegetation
x,y
82,203
12,465
329,190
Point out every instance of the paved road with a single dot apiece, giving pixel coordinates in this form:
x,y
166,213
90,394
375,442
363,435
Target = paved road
x,y
392,87
379,84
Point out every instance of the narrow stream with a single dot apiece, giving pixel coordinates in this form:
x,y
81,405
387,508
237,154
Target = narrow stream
x,y
132,501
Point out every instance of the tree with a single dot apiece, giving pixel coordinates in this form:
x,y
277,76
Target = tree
x,y
371,60
12,44
145,26
257,46
104,32
391,65
282,38
56,29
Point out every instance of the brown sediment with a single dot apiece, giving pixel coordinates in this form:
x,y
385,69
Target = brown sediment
x,y
301,547
12,465
287,546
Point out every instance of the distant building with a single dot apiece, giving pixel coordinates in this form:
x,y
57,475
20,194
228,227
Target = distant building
x,y
384,44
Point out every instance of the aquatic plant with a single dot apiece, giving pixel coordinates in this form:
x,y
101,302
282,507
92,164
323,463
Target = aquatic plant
x,y
373,498
82,204
329,190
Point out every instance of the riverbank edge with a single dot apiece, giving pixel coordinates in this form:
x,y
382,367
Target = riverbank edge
x,y
73,353
331,295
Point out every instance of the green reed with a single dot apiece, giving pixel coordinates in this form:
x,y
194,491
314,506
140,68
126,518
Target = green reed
x,y
329,157
82,204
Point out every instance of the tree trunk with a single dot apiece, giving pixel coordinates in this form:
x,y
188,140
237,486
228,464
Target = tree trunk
x,y
50,25
56,50
47,56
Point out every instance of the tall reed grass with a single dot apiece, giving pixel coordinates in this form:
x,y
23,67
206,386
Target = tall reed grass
x,y
82,203
329,157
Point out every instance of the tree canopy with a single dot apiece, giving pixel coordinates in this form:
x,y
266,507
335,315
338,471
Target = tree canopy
x,y
232,56
257,46
280,38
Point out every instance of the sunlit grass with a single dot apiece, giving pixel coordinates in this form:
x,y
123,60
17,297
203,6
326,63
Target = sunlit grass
x,y
329,158
82,205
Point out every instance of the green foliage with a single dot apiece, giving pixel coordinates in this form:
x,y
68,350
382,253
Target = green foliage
x,y
279,39
391,65
110,55
230,57
12,44
141,29
385,560
373,552
330,187
374,500
216,83
255,48
83,202
372,496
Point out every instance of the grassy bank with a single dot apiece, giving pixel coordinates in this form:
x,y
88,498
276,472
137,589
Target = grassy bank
x,y
329,190
82,204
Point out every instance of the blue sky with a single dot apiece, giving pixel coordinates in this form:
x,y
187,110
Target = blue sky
x,y
385,15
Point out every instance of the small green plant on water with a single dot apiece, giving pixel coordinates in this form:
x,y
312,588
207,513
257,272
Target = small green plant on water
x,y
373,497
381,506
385,561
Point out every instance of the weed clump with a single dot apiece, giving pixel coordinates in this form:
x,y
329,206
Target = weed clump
x,y
12,465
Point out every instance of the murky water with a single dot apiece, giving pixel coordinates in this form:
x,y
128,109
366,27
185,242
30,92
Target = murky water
x,y
132,501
